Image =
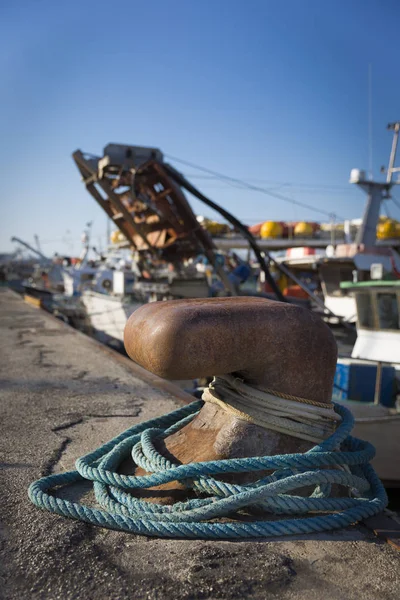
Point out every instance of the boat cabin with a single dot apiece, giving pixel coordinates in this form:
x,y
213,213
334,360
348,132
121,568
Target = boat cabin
x,y
340,266
378,320
323,275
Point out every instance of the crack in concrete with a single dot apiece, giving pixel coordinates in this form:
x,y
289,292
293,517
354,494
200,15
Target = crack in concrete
x,y
40,360
55,457
80,375
57,453
84,418
20,338
67,425
105,416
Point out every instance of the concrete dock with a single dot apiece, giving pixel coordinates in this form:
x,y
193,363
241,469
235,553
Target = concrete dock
x,y
62,394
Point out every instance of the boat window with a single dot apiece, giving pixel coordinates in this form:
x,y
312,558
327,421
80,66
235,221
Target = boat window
x,y
333,275
388,311
364,310
87,276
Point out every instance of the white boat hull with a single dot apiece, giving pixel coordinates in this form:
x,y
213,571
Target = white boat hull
x,y
375,424
108,314
378,345
342,306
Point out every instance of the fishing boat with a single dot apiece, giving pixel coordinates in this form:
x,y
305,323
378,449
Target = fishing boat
x,y
109,310
378,320
325,271
369,382
57,283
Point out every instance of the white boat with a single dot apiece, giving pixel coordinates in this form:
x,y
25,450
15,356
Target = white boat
x,y
378,322
381,427
372,383
375,403
108,312
77,279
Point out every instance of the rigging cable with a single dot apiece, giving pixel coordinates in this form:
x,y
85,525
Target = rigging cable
x,y
256,188
181,181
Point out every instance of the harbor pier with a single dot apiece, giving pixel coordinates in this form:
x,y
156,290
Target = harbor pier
x,y
63,395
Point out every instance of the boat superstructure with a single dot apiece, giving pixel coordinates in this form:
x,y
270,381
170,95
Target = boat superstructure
x,y
378,320
369,382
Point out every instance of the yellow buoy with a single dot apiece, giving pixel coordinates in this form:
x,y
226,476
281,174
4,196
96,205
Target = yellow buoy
x,y
303,229
387,229
271,229
214,227
114,236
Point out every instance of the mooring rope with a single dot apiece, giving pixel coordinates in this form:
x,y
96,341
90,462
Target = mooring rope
x,y
311,422
319,467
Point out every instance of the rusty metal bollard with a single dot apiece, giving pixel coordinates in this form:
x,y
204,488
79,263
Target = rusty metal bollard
x,y
264,343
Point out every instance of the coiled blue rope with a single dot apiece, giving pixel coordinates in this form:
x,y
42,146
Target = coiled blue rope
x,y
216,499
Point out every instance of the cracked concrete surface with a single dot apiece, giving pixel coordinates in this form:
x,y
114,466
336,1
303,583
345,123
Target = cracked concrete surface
x,y
62,395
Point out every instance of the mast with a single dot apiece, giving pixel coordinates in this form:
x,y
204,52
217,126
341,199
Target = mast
x,y
86,244
391,168
37,242
376,192
32,249
47,261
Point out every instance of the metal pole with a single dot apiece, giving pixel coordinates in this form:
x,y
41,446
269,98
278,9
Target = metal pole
x,y
108,231
47,261
31,248
378,383
37,242
396,128
303,286
333,229
367,232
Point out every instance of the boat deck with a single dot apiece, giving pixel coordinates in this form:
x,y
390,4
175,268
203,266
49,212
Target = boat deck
x,y
64,394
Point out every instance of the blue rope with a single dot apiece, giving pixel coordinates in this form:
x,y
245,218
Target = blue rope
x,y
215,498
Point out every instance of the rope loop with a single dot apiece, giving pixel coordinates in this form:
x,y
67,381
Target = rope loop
x,y
340,459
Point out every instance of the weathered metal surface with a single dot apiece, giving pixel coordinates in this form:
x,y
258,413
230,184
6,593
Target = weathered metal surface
x,y
269,343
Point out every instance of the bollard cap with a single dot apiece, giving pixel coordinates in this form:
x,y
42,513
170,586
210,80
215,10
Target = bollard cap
x,y
278,345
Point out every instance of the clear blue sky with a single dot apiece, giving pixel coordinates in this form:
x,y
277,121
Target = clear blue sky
x,y
274,92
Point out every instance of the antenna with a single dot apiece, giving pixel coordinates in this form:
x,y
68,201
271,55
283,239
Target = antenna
x,y
370,156
37,242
